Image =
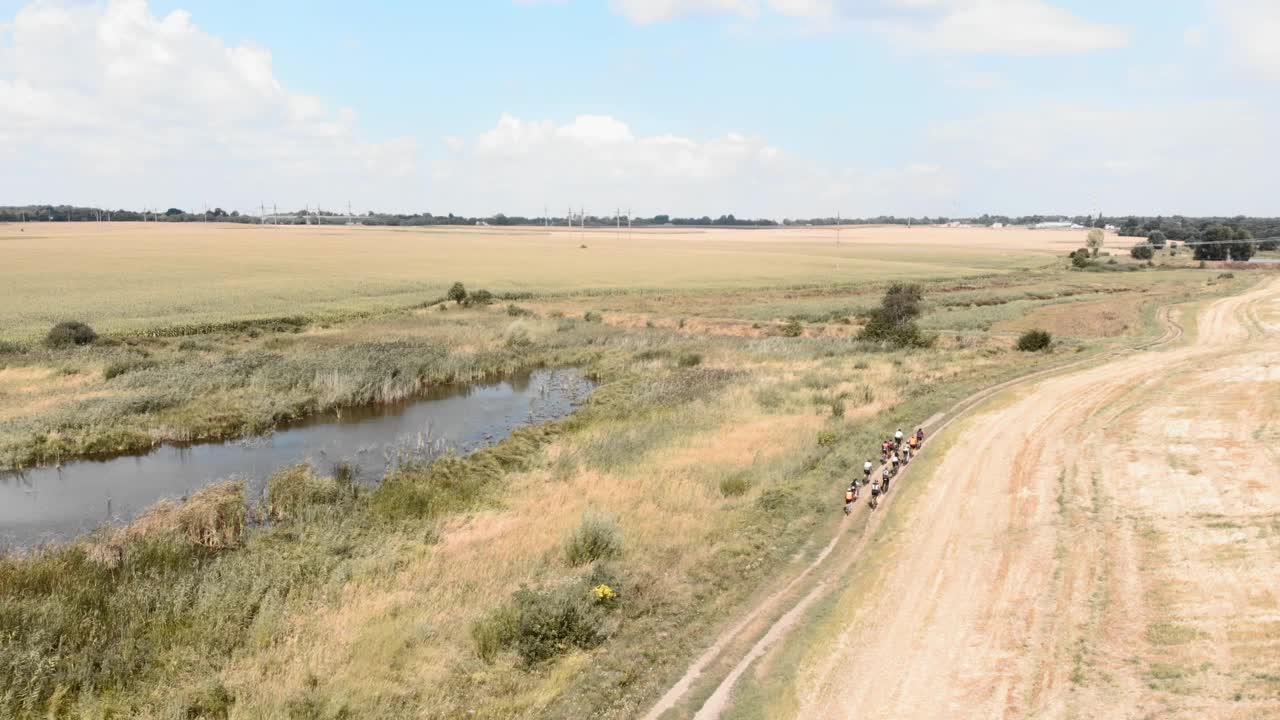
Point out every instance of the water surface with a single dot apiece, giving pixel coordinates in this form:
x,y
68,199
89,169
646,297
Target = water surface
x,y
55,503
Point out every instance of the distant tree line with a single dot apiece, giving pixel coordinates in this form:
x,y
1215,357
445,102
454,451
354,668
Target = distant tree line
x,y
1193,231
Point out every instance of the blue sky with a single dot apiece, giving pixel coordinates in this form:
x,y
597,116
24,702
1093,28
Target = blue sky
x,y
757,107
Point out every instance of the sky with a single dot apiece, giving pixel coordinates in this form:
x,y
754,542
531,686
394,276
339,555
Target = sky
x,y
759,108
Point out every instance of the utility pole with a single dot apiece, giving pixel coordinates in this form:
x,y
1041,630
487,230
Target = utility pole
x,y
837,229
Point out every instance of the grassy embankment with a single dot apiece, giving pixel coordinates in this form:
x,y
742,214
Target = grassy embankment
x,y
705,465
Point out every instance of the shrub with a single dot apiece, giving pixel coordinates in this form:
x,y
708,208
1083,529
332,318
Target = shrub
x,y
1226,276
457,293
1094,241
1034,340
689,359
596,538
894,321
479,297
1156,239
68,333
1141,251
837,407
791,328
495,631
8,348
735,485
592,316
514,310
551,622
827,438
1080,258
517,335
121,367
292,491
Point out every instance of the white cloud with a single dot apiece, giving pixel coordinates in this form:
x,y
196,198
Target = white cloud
x,y
975,80
650,11
600,162
1017,27
112,104
1020,27
1193,36
1205,157
1253,27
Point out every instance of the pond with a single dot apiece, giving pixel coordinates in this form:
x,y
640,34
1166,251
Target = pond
x,y
56,503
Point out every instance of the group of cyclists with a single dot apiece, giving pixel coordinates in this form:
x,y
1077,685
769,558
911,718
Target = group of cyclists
x,y
895,453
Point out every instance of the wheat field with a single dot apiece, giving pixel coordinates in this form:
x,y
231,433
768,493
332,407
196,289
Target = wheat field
x,y
130,277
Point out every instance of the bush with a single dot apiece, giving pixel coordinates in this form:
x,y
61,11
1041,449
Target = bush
x,y
689,359
122,367
68,333
1094,241
479,297
827,438
8,348
791,328
1080,258
293,491
894,320
592,316
1156,239
457,293
1034,340
495,631
514,310
517,335
1141,251
735,485
597,538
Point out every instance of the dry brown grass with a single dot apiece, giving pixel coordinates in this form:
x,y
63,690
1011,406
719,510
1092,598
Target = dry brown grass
x,y
213,518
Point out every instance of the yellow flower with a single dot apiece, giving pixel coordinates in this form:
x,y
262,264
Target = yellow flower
x,y
604,593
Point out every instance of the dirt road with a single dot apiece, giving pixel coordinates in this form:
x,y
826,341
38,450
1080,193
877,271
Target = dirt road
x,y
1105,545
1101,544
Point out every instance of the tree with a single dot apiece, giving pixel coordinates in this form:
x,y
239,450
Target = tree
x,y
1214,244
1141,251
894,320
1131,227
174,211
1243,248
1095,240
457,293
1156,239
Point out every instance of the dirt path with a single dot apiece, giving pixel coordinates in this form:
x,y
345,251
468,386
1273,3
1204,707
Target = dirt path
x,y
1022,560
1105,546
